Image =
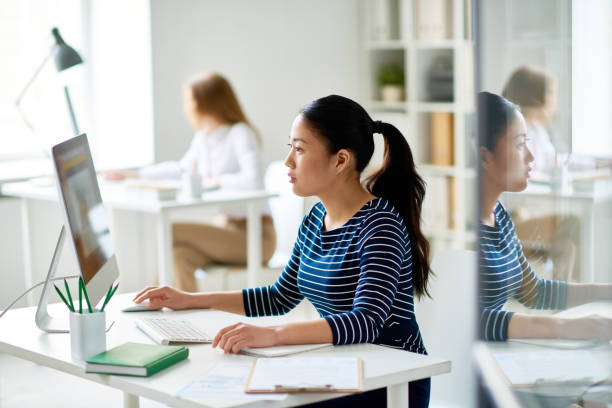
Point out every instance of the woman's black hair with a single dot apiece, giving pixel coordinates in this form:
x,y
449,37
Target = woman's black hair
x,y
344,124
495,115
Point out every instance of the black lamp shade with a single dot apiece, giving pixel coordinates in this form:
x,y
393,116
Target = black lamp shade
x,y
64,55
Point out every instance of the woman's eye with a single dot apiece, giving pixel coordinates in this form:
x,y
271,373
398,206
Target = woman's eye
x,y
298,149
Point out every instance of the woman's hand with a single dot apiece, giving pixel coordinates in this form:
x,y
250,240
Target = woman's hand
x,y
234,338
588,327
165,296
116,175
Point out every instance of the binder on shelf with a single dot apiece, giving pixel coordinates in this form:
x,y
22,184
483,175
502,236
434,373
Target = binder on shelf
x,y
441,125
436,212
307,374
431,20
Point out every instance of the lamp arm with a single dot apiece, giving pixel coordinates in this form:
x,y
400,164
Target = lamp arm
x,y
25,89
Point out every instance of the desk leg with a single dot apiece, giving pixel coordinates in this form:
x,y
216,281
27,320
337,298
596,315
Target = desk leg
x,y
253,244
164,249
130,400
397,396
587,248
27,250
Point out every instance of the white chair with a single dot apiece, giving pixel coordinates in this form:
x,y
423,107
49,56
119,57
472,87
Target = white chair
x,y
287,211
447,323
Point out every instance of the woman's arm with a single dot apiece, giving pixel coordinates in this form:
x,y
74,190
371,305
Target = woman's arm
x,y
580,293
588,327
167,296
234,338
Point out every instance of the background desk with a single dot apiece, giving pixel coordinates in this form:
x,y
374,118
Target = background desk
x,y
539,200
382,366
116,196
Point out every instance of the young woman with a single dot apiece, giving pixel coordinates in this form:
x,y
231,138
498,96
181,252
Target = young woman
x,y
534,90
506,161
225,151
360,256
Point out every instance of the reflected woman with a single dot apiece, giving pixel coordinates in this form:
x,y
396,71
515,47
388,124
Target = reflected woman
x,y
505,162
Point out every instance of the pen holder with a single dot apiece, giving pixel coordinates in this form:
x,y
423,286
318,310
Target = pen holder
x,y
559,179
192,185
87,334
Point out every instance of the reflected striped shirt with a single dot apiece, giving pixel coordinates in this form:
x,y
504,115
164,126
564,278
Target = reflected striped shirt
x,y
358,277
505,273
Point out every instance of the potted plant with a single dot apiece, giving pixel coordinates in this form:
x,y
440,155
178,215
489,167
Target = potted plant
x,y
391,82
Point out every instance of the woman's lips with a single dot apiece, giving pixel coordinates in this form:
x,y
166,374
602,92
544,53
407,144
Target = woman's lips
x,y
291,178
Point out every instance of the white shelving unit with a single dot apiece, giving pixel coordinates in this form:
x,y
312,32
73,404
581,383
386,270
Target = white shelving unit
x,y
404,44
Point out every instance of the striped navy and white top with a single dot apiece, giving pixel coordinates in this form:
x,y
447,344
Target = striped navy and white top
x,y
505,273
358,277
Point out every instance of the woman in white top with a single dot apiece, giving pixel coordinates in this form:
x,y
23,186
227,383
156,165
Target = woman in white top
x,y
535,91
225,151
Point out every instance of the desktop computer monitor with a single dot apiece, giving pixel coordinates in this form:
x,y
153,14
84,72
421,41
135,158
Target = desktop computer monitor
x,y
84,216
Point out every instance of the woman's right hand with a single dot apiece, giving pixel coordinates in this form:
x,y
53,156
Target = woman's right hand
x,y
117,175
587,327
165,296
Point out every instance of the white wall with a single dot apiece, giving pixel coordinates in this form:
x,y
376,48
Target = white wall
x,y
278,54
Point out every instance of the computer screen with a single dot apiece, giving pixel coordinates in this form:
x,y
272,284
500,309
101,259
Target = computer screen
x,y
85,215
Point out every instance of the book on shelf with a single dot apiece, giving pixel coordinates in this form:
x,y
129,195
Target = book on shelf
x,y
435,209
431,20
441,128
382,20
136,359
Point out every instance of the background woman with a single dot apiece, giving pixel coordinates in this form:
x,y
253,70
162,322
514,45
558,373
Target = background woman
x,y
360,256
505,161
225,151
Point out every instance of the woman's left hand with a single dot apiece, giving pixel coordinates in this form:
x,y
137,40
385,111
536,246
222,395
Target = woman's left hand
x,y
234,338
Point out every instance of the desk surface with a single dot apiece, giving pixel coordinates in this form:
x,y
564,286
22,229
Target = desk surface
x,y
20,337
118,195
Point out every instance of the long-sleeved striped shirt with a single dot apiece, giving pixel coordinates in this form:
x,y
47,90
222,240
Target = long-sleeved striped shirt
x,y
358,277
505,273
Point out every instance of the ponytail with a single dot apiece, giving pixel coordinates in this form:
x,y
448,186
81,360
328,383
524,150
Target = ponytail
x,y
344,124
398,181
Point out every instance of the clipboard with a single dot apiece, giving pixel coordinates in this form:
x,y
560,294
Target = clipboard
x,y
305,374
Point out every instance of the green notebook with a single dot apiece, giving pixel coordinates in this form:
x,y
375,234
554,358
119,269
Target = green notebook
x,y
136,359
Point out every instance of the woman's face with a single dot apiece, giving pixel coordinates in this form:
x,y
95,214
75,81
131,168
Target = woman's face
x,y
191,108
312,169
508,167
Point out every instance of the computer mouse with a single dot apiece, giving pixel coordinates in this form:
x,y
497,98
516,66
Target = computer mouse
x,y
141,308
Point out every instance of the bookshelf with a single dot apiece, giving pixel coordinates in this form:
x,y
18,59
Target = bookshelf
x,y
431,41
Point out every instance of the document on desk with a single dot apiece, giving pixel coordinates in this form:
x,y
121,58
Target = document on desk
x,y
531,367
306,374
224,381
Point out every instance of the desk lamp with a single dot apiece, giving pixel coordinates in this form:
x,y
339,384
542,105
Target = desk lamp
x,y
65,57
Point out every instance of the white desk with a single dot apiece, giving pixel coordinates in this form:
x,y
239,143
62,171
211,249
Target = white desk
x,y
601,353
116,196
540,197
382,366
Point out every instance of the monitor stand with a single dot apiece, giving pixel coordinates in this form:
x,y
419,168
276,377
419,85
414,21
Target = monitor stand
x,y
44,321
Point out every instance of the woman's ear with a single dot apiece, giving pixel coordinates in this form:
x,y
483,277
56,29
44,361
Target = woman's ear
x,y
484,157
343,160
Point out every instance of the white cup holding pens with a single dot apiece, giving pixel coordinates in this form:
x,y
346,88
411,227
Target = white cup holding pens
x,y
192,183
87,325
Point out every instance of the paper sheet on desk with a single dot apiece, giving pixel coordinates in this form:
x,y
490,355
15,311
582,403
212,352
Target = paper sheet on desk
x,y
224,381
526,368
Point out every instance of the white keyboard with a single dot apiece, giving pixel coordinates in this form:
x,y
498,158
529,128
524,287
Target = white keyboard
x,y
169,331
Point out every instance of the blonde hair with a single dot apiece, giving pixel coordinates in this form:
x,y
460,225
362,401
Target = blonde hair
x,y
528,86
213,95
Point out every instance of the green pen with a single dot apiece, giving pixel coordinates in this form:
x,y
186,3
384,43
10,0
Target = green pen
x,y
62,297
69,295
86,296
109,296
80,297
